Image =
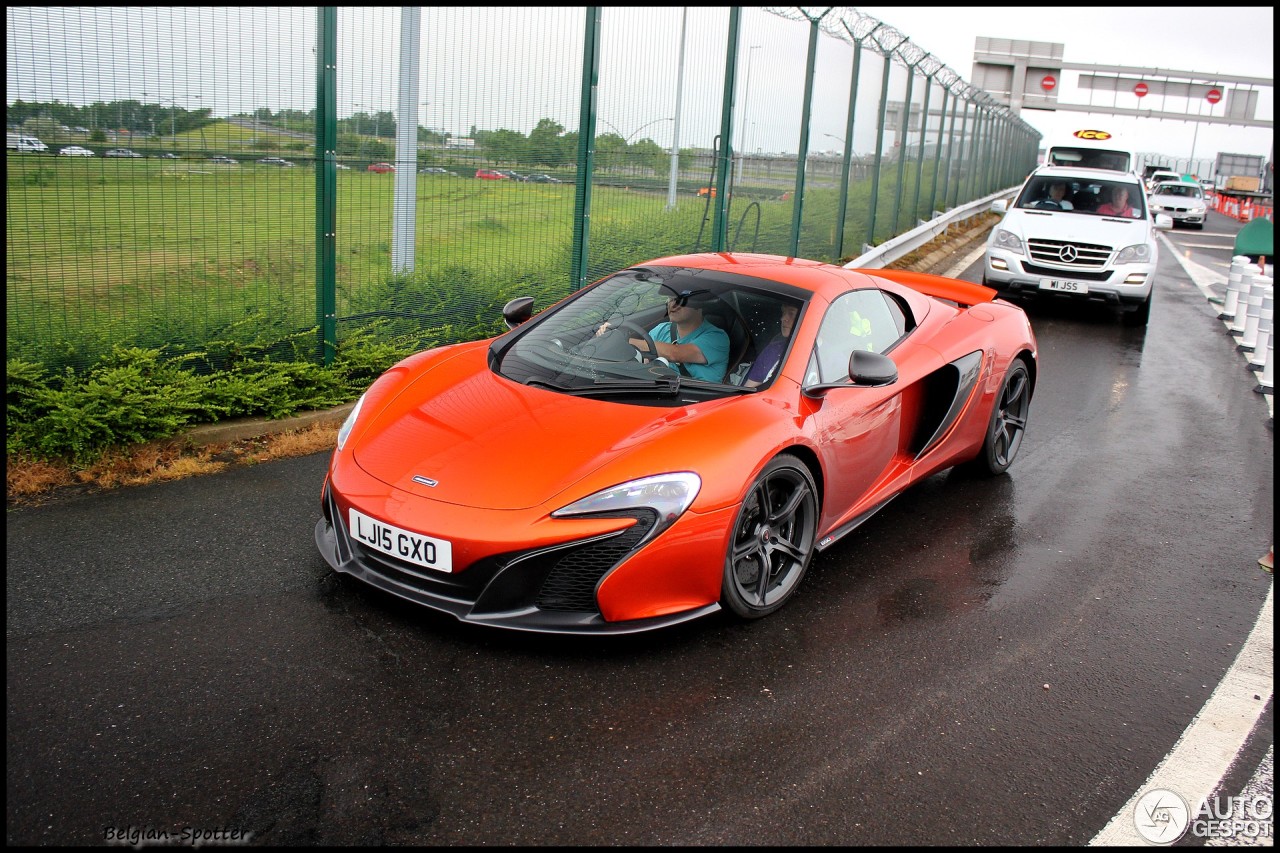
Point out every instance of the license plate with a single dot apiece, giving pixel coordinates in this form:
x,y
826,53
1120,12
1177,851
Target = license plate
x,y
406,545
1063,285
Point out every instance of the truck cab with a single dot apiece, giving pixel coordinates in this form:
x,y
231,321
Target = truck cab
x,y
1091,149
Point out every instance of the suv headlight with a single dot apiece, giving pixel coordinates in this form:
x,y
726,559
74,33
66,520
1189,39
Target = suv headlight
x,y
1008,241
1138,254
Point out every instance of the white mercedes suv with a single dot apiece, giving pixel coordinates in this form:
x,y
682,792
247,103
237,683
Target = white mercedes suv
x,y
1083,234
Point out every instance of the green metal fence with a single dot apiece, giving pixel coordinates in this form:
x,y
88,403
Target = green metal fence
x,y
280,203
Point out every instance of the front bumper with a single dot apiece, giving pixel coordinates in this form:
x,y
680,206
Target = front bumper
x,y
1014,275
1186,217
603,576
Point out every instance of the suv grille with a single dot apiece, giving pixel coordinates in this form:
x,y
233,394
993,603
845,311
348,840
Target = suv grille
x,y
1068,254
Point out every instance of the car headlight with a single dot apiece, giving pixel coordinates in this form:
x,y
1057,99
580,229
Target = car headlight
x,y
1139,254
350,422
1199,208
669,495
1008,240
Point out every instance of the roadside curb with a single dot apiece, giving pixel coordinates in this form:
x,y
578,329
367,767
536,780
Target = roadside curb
x,y
240,429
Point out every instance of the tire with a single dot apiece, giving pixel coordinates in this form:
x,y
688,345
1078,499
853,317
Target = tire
x,y
1007,424
1139,316
773,540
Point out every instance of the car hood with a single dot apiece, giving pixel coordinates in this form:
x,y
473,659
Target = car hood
x,y
476,439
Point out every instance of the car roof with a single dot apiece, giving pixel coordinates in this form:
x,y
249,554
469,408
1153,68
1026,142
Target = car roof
x,y
827,280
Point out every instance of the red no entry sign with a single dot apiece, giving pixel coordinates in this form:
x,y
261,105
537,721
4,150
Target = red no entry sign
x,y
1048,82
1213,96
1140,89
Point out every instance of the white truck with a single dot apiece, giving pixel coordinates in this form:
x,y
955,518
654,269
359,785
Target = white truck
x,y
24,144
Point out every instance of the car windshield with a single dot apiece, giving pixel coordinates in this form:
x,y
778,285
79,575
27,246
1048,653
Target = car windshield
x,y
570,349
1093,197
1183,190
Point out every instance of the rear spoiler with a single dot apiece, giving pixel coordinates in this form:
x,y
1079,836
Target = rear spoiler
x,y
939,286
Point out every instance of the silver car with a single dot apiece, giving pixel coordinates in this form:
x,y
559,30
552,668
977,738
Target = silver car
x,y
1182,200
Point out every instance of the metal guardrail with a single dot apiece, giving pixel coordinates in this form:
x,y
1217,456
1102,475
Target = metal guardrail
x,y
891,250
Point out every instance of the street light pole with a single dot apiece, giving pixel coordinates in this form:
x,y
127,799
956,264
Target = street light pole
x,y
742,122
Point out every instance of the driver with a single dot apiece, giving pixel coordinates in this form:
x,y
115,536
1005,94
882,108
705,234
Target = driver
x,y
1057,193
694,346
689,342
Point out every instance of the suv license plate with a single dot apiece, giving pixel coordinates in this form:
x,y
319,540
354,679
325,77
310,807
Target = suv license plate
x,y
1063,285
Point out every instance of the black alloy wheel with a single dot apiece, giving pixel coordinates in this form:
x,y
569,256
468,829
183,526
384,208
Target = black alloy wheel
x,y
773,540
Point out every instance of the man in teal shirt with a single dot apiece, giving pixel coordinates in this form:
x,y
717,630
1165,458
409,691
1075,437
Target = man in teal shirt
x,y
689,342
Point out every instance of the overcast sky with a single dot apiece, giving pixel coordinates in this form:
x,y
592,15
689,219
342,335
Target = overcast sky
x,y
477,68
1234,40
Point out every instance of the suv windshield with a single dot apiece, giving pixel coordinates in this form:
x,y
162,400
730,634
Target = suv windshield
x,y
1094,197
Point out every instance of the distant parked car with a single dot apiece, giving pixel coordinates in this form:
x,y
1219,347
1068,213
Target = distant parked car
x,y
435,170
543,179
513,176
121,152
490,175
343,166
381,168
274,161
76,151
166,155
226,161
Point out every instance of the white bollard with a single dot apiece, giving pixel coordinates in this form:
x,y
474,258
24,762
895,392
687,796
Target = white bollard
x,y
1234,287
1265,379
1262,348
1235,325
1253,312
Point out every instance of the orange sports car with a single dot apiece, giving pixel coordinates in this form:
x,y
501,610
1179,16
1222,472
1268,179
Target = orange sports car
x,y
676,439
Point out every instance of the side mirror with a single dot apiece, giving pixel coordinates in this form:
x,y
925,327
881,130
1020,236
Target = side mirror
x,y
999,206
517,311
871,368
1164,222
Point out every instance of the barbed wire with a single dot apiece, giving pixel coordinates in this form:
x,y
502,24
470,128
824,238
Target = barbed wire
x,y
849,25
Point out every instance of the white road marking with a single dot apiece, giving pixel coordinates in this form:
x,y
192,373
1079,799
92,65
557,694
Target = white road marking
x,y
1206,750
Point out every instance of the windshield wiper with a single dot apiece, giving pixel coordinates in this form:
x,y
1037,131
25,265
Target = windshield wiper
x,y
612,387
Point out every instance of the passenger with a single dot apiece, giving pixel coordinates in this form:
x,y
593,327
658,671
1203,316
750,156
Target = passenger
x,y
1119,204
770,357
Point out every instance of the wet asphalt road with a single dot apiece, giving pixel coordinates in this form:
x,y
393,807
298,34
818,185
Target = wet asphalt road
x,y
985,662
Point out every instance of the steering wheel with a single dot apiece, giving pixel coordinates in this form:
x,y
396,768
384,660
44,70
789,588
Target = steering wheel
x,y
1048,203
648,340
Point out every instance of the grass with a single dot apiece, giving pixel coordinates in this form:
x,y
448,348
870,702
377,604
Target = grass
x,y
34,482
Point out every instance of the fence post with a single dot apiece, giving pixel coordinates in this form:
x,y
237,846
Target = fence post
x,y
586,148
326,181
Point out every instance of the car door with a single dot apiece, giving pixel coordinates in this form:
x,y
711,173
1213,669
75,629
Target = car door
x,y
858,428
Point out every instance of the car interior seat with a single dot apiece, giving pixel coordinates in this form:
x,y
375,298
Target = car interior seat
x,y
724,316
